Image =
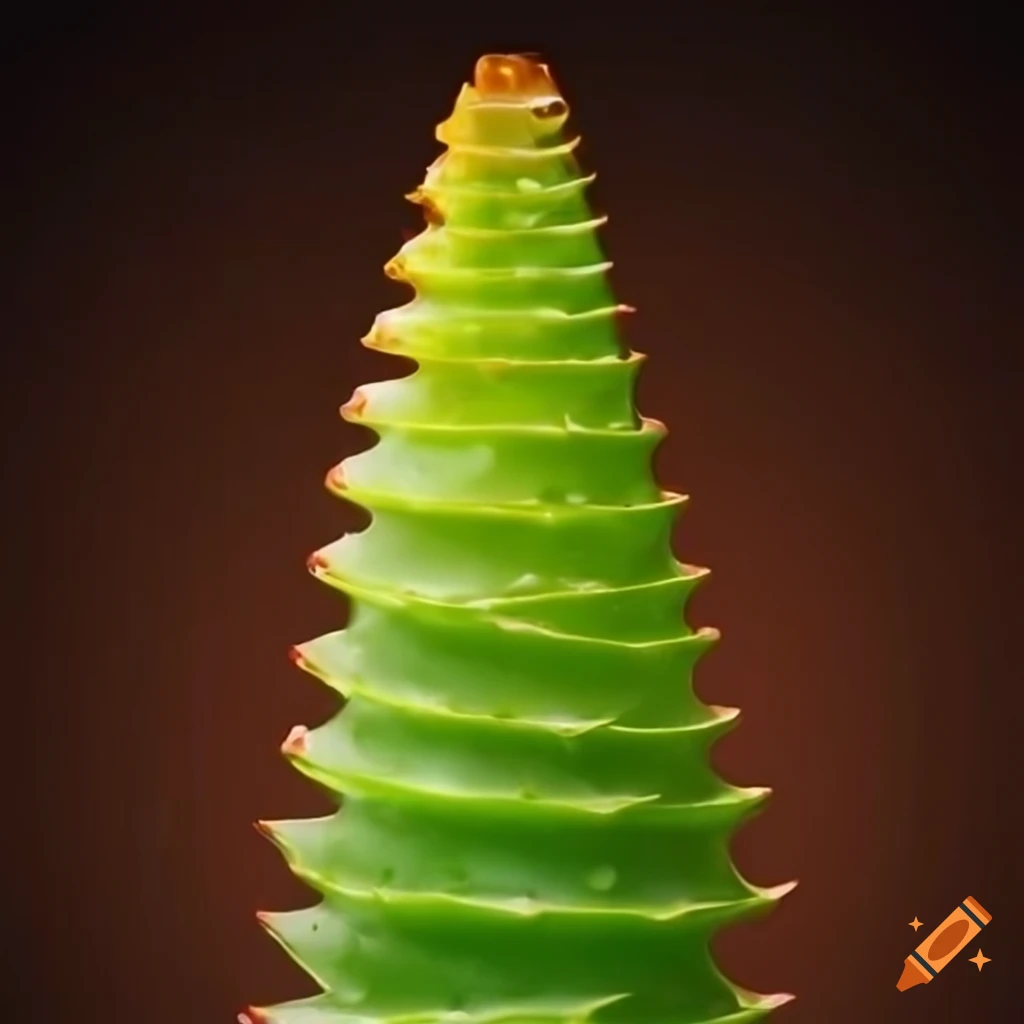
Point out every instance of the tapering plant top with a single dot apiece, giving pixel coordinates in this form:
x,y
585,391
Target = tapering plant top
x,y
530,829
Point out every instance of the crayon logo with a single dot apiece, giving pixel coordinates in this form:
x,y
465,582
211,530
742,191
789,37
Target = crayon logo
x,y
925,962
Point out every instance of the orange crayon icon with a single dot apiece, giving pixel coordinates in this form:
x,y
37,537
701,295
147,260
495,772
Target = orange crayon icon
x,y
943,944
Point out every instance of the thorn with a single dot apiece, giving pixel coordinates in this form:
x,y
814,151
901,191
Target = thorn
x,y
297,658
263,829
356,405
431,212
296,743
395,268
251,1016
316,561
623,308
724,713
336,479
377,337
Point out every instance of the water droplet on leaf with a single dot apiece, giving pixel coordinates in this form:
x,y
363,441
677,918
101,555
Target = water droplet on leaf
x,y
602,878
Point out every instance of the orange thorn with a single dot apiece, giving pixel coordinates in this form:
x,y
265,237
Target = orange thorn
x,y
336,478
356,405
316,561
395,268
512,74
296,743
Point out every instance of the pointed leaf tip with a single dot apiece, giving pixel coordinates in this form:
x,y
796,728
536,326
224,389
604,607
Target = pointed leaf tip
x,y
396,268
356,405
316,561
297,742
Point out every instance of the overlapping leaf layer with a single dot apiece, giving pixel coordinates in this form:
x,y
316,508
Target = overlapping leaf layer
x,y
531,832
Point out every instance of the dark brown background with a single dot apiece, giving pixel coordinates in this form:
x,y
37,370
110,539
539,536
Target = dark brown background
x,y
809,211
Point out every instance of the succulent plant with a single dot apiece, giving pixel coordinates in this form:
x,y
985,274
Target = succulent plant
x,y
529,827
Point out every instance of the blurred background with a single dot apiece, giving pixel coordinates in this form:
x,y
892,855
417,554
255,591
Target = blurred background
x,y
811,210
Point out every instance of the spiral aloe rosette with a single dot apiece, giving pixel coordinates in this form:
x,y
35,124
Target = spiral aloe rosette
x,y
531,831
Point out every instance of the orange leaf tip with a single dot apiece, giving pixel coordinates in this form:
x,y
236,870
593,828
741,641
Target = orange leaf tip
x,y
356,405
297,742
512,74
316,561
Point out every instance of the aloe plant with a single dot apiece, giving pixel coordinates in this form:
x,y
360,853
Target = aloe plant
x,y
529,829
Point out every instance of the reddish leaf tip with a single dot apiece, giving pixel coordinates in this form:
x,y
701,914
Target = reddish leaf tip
x,y
296,743
316,561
